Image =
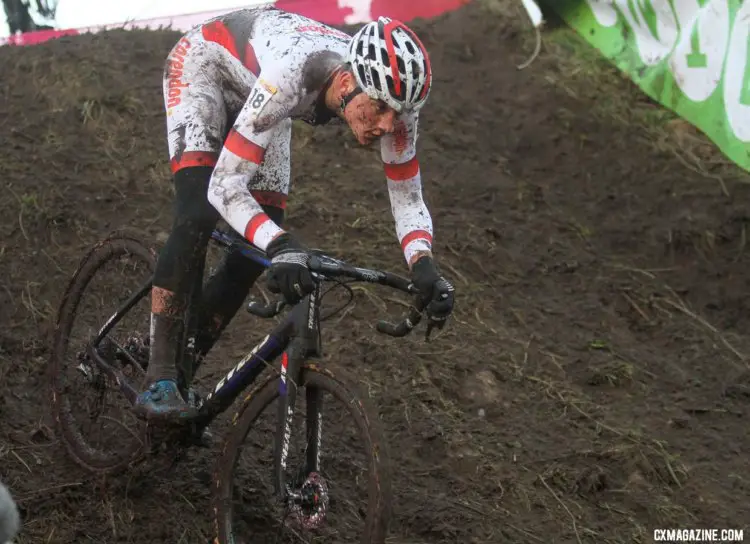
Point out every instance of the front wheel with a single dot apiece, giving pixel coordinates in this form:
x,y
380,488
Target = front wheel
x,y
336,495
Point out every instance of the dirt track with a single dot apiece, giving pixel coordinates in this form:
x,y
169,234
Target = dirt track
x,y
601,317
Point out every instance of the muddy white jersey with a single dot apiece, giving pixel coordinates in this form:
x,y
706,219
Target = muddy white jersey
x,y
232,87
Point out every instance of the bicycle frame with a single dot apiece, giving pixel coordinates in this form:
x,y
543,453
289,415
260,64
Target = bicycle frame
x,y
295,339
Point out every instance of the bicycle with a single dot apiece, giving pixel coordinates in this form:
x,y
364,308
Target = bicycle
x,y
295,340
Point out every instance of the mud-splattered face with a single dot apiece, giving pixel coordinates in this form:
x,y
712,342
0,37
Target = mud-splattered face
x,y
369,119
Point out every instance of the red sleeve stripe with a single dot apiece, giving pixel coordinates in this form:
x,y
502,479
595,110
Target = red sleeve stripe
x,y
218,32
244,148
193,158
254,224
416,235
270,198
402,172
251,60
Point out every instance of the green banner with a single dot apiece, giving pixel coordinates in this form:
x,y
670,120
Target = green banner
x,y
689,55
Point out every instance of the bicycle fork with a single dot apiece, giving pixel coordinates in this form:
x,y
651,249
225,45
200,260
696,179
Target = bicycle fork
x,y
305,344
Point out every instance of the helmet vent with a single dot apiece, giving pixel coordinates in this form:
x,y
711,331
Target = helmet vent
x,y
401,65
361,72
414,69
376,80
392,89
385,57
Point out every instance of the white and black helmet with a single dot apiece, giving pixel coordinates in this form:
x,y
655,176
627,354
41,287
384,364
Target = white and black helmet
x,y
391,64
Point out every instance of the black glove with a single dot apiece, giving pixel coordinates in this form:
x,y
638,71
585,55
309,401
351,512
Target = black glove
x,y
436,292
288,273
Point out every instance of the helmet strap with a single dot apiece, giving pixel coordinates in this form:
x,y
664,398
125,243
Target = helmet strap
x,y
348,98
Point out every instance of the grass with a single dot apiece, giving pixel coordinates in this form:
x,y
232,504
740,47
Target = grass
x,y
577,68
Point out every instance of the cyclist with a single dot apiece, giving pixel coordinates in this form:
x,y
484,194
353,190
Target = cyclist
x,y
232,87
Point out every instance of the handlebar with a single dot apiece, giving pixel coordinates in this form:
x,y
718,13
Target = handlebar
x,y
324,267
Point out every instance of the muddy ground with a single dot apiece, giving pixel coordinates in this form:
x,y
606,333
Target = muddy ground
x,y
593,385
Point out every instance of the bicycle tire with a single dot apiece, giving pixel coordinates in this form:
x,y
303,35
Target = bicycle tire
x,y
370,431
77,447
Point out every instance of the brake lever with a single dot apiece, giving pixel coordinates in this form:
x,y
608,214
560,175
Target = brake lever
x,y
401,329
406,325
266,311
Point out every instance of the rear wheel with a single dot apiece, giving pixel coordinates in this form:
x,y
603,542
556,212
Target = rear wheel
x,y
93,418
348,497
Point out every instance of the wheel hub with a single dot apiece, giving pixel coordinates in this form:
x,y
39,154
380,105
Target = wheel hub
x,y
308,504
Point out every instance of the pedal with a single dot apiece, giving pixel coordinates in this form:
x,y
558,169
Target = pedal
x,y
84,368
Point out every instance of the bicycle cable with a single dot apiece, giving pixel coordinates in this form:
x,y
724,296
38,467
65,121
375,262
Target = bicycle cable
x,y
338,283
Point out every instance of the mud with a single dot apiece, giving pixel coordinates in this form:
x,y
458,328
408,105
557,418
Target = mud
x,y
592,387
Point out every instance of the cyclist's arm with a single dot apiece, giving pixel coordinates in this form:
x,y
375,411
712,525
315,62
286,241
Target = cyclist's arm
x,y
413,220
243,153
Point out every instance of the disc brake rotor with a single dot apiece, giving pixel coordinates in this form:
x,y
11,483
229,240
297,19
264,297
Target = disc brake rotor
x,y
309,503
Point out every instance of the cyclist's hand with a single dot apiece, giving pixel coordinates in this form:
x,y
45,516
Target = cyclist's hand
x,y
289,273
436,291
